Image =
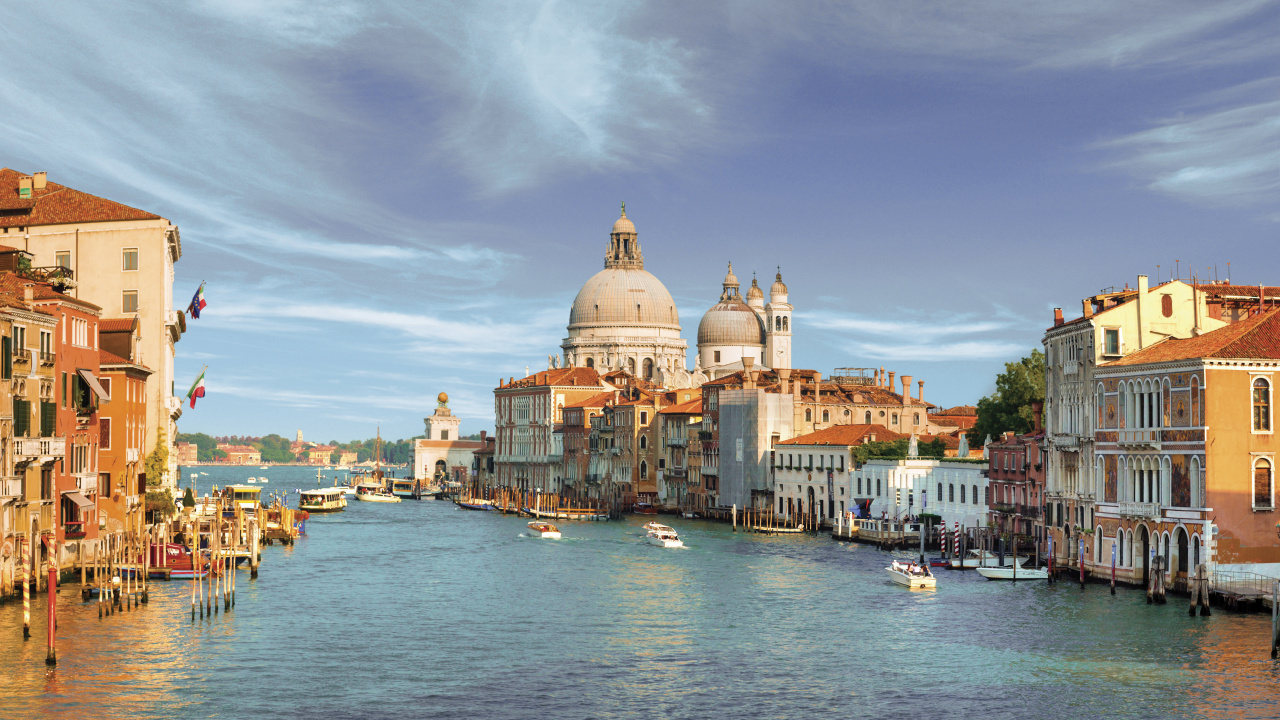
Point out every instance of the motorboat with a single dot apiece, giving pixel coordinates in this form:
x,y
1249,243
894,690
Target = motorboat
x,y
544,530
688,515
939,562
175,561
476,504
1009,573
663,536
644,508
406,488
653,525
911,574
983,558
322,500
369,492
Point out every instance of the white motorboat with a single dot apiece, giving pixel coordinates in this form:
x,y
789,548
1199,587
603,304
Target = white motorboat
x,y
911,574
322,500
663,536
1008,573
374,493
984,558
654,526
544,530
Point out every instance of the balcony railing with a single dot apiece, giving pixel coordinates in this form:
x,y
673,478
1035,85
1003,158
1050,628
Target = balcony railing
x,y
1148,511
678,442
1148,437
46,358
73,529
11,487
132,455
87,483
21,356
39,449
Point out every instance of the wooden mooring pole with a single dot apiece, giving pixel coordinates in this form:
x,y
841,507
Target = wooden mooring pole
x,y
51,658
26,589
1275,618
1203,574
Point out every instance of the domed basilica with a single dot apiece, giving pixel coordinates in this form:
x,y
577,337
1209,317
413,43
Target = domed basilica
x,y
624,319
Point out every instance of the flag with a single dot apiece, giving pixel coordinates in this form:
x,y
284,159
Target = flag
x,y
197,388
197,303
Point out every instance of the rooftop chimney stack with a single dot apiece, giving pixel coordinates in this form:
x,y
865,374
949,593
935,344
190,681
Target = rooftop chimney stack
x,y
1087,303
1057,317
920,395
889,387
40,180
906,389
24,186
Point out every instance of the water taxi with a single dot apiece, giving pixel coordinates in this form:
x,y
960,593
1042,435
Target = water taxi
x,y
982,558
663,536
544,530
644,508
1011,573
244,496
369,492
322,500
911,574
406,488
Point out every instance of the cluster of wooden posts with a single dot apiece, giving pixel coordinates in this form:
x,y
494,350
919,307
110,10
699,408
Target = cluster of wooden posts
x,y
540,504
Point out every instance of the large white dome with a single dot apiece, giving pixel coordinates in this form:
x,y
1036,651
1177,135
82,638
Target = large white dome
x,y
731,322
624,297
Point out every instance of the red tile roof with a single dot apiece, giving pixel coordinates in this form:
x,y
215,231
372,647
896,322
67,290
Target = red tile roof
x,y
1256,337
57,204
846,435
109,358
600,400
584,377
692,407
966,410
12,289
125,324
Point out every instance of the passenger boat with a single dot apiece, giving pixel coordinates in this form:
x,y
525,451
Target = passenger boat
x,y
644,508
912,575
369,492
177,559
663,536
982,558
322,500
544,530
244,496
406,488
1008,573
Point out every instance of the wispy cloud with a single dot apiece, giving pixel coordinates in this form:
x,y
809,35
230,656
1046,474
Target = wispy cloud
x,y
925,336
941,352
1229,154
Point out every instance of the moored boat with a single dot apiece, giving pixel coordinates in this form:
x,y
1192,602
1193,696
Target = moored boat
x,y
406,488
1010,573
663,536
475,504
322,500
644,508
544,530
175,563
369,492
911,574
983,558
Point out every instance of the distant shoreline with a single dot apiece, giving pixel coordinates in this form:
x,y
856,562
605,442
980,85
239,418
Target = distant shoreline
x,y
271,465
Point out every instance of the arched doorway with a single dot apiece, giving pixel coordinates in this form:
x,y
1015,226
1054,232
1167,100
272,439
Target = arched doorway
x,y
648,369
591,362
812,510
441,470
1144,544
1182,550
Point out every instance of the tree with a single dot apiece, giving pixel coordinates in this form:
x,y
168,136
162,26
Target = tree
x,y
188,499
157,463
205,445
1009,407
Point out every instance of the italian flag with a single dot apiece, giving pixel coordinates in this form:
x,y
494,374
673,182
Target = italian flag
x,y
197,389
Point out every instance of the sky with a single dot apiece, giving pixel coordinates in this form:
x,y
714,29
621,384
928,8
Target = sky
x,y
389,200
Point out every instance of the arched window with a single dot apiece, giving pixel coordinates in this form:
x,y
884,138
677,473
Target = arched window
x,y
1195,401
777,323
868,417
808,415
591,362
826,416
1197,485
1122,417
1165,405
1102,408
1261,405
961,493
975,494
648,368
644,442
1262,483
644,470
631,366
951,492
786,323
917,418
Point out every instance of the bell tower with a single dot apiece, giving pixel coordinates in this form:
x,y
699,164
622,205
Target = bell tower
x,y
777,319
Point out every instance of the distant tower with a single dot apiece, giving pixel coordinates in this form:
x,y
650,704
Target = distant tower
x,y
299,436
777,320
442,425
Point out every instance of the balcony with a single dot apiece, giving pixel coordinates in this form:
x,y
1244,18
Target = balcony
x,y
73,529
21,356
11,487
132,455
1142,438
1066,441
46,359
87,483
1145,511
1070,367
678,442
39,450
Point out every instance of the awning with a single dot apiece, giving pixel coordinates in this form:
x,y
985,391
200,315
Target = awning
x,y
78,499
98,390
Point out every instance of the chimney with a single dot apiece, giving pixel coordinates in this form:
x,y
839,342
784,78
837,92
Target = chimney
x,y
1037,413
1088,307
483,433
906,389
749,376
889,387
40,179
24,186
784,374
1142,309
920,395
28,293
1057,317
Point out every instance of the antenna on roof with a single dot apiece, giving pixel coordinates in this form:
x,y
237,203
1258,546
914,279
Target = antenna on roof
x,y
1179,267
1157,273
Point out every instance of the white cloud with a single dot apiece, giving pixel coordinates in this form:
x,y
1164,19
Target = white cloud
x,y
941,352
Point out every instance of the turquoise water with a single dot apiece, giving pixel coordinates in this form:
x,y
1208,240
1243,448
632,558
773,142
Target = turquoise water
x,y
419,609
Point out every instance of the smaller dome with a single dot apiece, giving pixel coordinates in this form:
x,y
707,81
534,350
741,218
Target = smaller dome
x,y
754,292
622,224
779,287
443,398
731,280
731,322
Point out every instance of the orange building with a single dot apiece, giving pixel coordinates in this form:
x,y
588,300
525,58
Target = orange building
x,y
1186,450
122,433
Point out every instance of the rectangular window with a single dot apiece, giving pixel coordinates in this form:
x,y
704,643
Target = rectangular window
x,y
129,301
21,418
106,384
717,357
1111,341
62,258
859,486
48,419
64,389
104,484
130,261
877,487
19,338
6,350
104,433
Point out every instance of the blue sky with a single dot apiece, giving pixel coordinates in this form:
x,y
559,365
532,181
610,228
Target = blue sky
x,y
388,200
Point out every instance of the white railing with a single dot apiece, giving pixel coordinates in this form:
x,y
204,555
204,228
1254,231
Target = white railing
x,y
678,442
1149,511
1143,436
1066,441
132,455
87,483
10,487
39,447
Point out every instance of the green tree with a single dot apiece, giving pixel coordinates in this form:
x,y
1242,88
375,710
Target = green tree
x,y
188,499
205,445
157,463
1009,407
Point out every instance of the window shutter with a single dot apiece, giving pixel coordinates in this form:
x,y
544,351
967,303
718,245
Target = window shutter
x,y
21,417
48,419
6,348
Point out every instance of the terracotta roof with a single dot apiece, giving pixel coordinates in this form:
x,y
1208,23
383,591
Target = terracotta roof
x,y
125,324
1256,337
600,400
693,407
110,358
959,410
846,435
1241,290
12,289
585,377
58,204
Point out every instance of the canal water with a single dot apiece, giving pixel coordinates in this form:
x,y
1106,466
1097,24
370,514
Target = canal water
x,y
421,610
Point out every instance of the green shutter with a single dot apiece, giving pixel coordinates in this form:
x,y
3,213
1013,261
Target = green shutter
x,y
48,419
6,349
64,390
21,418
